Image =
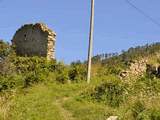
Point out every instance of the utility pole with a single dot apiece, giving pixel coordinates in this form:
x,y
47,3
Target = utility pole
x,y
90,47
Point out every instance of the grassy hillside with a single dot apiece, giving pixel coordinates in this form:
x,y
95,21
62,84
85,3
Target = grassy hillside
x,y
36,89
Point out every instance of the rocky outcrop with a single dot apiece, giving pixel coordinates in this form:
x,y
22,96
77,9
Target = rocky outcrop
x,y
153,70
137,68
113,118
35,40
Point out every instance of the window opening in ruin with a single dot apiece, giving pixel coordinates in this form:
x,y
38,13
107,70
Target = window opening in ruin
x,y
25,36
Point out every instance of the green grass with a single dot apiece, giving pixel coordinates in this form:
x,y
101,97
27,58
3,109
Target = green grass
x,y
32,88
53,101
40,102
37,104
56,102
83,110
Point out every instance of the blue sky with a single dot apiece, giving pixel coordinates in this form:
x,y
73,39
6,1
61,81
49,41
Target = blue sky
x,y
117,25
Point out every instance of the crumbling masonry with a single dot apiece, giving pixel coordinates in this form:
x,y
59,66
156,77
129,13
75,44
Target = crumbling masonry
x,y
35,40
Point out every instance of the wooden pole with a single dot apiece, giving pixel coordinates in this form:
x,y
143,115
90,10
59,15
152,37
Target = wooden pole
x,y
90,47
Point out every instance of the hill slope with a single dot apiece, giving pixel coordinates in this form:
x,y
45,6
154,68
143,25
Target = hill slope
x,y
36,89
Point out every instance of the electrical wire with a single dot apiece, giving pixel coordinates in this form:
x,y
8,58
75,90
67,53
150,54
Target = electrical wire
x,y
143,13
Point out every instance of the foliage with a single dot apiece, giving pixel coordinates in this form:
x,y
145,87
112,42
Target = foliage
x,y
11,82
155,114
113,63
37,105
4,49
111,91
77,72
137,108
146,86
62,73
37,69
38,85
151,114
6,54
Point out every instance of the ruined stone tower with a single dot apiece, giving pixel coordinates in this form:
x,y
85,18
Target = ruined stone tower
x,y
35,40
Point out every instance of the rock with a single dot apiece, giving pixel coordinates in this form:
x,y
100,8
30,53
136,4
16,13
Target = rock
x,y
136,68
151,70
123,74
113,118
158,72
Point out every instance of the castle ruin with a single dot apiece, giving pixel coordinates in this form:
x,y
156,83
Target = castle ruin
x,y
35,40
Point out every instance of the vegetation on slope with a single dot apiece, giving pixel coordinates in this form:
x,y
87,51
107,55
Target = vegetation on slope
x,y
33,88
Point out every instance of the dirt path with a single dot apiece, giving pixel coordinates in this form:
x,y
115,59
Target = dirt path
x,y
67,115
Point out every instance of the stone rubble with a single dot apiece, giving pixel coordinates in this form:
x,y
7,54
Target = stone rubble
x,y
113,118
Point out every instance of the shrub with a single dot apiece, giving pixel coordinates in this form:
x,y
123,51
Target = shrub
x,y
6,67
147,86
28,64
61,73
33,78
10,82
77,72
150,114
155,115
33,70
6,55
112,92
137,108
4,49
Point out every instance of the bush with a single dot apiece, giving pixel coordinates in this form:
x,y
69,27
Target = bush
x,y
33,70
155,115
34,78
77,72
10,82
6,55
150,114
4,49
147,86
61,73
111,91
28,64
62,77
137,108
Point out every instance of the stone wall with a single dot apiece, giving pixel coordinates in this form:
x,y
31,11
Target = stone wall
x,y
137,68
35,40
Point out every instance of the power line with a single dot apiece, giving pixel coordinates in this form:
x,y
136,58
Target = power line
x,y
143,13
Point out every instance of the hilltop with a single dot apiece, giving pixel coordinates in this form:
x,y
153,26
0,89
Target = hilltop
x,y
125,85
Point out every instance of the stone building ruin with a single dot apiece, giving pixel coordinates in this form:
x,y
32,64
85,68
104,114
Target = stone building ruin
x,y
35,40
